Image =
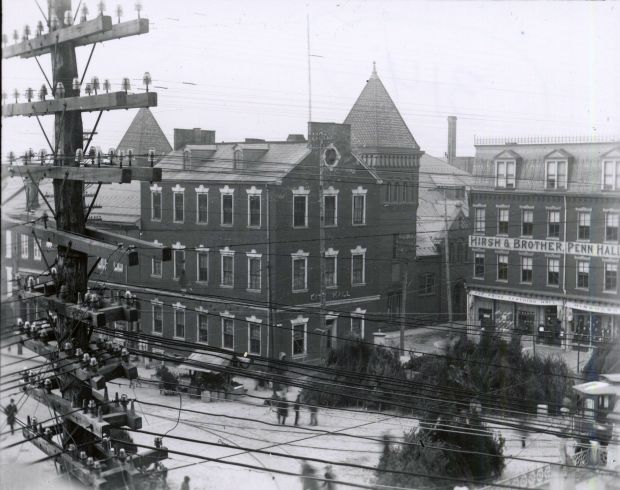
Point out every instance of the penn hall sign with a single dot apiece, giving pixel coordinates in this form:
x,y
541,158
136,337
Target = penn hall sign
x,y
605,250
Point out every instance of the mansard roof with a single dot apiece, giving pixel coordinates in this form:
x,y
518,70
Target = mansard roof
x,y
376,123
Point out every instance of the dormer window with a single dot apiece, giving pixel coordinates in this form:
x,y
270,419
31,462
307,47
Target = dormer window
x,y
611,175
556,174
237,157
505,173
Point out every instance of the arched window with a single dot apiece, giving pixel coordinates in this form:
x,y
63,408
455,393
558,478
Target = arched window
x,y
237,157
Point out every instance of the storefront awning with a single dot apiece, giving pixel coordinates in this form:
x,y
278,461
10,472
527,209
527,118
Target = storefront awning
x,y
206,363
517,298
594,307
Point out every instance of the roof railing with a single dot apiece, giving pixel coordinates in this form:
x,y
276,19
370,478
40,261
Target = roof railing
x,y
545,140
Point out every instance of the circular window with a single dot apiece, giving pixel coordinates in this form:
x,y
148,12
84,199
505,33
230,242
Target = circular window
x,y
331,157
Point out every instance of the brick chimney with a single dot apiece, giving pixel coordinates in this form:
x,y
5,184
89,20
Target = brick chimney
x,y
451,139
195,136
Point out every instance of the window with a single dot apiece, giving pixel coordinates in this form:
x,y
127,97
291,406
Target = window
x,y
9,281
553,224
502,221
155,267
237,157
24,246
583,274
583,229
480,220
527,222
228,332
202,263
479,265
611,227
427,284
158,318
300,211
553,272
526,269
611,276
393,305
156,203
227,206
299,327
357,324
505,174
359,206
102,265
118,267
254,211
202,205
36,251
8,243
502,267
611,175
254,271
179,262
179,204
227,273
331,268
330,206
358,266
254,338
556,174
203,327
179,322
300,271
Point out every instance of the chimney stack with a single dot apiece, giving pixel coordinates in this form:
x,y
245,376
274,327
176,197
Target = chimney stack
x,y
451,139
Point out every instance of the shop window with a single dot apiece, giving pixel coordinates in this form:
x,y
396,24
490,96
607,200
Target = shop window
x,y
583,274
526,321
611,227
480,220
553,224
502,221
527,222
611,277
502,267
479,265
553,272
526,269
583,229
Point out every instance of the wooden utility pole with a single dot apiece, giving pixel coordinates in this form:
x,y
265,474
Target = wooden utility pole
x,y
83,442
446,246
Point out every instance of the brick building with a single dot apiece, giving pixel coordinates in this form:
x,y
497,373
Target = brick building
x,y
544,237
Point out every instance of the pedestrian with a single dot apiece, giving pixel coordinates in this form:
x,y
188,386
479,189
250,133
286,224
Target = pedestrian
x,y
313,415
296,408
284,407
185,484
329,478
307,476
11,412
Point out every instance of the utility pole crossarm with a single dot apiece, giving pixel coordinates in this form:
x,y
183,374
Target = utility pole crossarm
x,y
146,249
88,103
46,42
105,175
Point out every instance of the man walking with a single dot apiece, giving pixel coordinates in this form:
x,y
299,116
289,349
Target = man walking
x,y
307,476
313,415
11,412
283,409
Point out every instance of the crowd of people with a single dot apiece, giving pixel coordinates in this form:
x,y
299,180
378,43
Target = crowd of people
x,y
281,405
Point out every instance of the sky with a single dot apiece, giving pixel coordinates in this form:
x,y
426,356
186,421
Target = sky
x,y
241,68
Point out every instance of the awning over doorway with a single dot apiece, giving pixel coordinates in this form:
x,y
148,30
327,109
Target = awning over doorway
x,y
529,299
207,362
594,307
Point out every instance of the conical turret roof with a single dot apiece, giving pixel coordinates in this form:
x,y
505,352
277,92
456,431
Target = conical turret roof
x,y
376,123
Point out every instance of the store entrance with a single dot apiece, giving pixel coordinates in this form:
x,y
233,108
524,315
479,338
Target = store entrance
x,y
549,332
485,317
